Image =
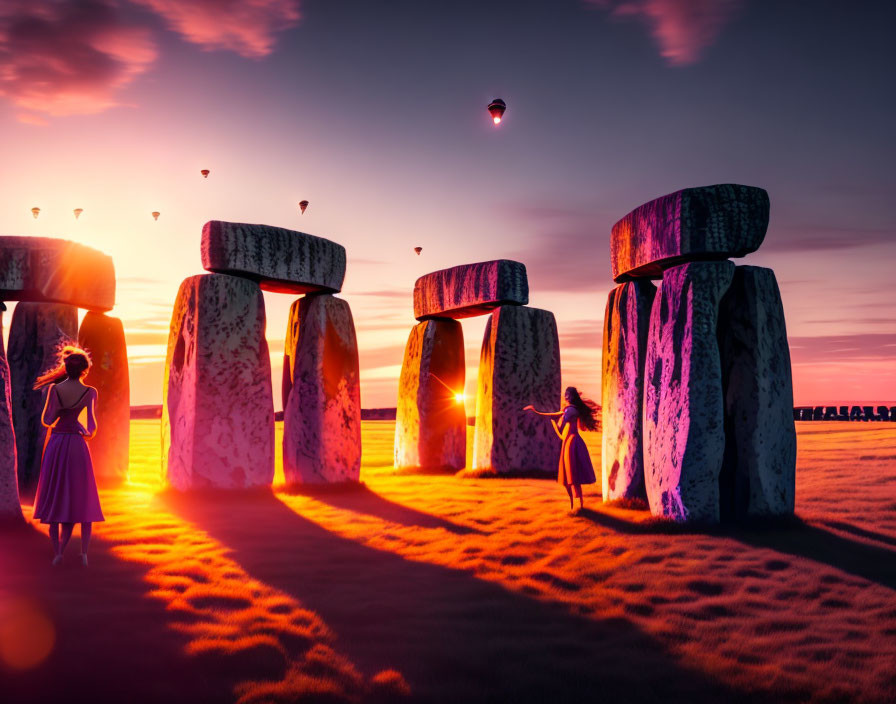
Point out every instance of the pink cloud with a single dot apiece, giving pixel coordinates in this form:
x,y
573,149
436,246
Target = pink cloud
x,y
247,27
61,58
682,28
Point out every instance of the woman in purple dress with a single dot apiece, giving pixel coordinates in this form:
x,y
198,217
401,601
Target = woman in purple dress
x,y
575,466
66,491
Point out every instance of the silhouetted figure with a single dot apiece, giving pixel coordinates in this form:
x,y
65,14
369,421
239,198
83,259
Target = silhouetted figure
x,y
575,466
66,491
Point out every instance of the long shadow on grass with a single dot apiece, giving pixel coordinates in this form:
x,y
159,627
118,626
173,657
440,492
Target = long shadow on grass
x,y
360,499
792,536
112,642
455,638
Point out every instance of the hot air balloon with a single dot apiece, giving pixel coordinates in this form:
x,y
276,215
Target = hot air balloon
x,y
35,212
418,250
303,204
155,214
77,212
205,173
496,109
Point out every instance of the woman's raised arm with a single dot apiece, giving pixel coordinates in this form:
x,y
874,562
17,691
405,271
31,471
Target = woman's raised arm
x,y
543,413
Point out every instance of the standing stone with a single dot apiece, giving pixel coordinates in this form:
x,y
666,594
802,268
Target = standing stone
x,y
830,413
322,418
684,437
519,365
694,224
37,332
759,474
217,401
626,322
431,424
883,413
10,508
289,350
103,337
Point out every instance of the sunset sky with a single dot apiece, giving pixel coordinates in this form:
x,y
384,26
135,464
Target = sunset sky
x,y
375,113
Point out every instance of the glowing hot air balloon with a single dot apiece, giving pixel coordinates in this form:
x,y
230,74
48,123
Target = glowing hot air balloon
x,y
77,212
303,204
496,109
418,250
35,212
205,173
155,214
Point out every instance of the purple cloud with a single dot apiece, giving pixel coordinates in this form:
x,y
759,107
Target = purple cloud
x,y
247,27
682,28
60,58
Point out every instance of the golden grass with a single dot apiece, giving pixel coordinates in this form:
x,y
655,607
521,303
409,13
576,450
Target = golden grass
x,y
444,589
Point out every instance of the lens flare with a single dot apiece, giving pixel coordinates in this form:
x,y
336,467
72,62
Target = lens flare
x,y
497,120
459,397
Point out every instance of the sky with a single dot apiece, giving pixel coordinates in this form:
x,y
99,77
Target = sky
x,y
375,112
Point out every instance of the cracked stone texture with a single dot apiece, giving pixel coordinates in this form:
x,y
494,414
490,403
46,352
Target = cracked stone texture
x,y
626,322
280,260
217,401
10,507
712,222
684,435
50,270
36,333
470,289
431,426
103,337
519,365
322,418
759,473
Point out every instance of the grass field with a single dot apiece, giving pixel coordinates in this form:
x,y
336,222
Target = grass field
x,y
433,588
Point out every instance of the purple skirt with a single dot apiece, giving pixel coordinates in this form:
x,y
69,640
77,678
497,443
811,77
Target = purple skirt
x,y
575,462
66,491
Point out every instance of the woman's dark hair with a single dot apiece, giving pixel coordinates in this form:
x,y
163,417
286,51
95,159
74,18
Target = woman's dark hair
x,y
588,409
73,363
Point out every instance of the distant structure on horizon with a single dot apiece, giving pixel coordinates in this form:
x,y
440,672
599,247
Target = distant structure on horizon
x,y
865,413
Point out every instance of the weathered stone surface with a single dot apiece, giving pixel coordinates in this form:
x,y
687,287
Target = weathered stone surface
x,y
289,350
470,289
10,508
759,472
712,222
519,365
626,322
430,424
36,333
280,260
217,401
684,437
49,270
322,418
103,337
